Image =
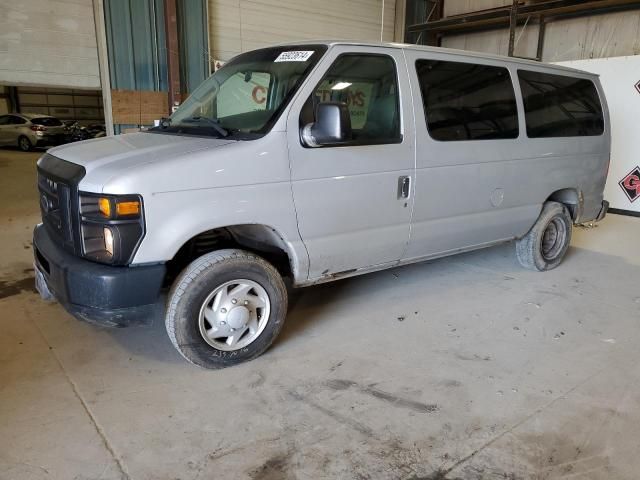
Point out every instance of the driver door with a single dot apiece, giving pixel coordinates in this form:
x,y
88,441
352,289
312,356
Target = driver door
x,y
354,201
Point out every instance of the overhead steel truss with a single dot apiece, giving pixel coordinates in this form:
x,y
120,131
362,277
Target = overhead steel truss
x,y
518,13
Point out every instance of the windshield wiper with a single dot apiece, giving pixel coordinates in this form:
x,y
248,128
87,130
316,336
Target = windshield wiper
x,y
210,121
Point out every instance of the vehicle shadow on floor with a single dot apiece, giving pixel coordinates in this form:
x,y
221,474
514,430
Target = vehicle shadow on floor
x,y
309,305
150,340
312,305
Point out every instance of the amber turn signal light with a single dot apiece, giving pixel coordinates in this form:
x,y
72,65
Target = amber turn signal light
x,y
128,208
104,205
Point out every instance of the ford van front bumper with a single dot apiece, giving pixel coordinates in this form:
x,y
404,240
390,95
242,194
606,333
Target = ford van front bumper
x,y
102,294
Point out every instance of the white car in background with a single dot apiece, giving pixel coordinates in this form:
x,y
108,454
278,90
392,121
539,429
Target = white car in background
x,y
29,130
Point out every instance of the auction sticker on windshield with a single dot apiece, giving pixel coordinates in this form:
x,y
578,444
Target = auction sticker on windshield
x,y
295,56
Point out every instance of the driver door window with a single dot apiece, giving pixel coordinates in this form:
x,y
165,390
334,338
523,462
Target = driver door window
x,y
368,85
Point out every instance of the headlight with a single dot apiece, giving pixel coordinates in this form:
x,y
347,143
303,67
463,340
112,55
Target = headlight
x,y
112,227
108,240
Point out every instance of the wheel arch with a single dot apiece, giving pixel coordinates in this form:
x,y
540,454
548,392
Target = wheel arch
x,y
572,198
263,240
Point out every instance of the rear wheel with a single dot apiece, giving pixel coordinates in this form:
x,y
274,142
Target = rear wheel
x,y
546,244
225,308
24,144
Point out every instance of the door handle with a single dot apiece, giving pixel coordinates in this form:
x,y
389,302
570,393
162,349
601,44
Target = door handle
x,y
404,186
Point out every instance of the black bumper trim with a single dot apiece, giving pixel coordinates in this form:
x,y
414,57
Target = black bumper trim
x,y
102,294
621,211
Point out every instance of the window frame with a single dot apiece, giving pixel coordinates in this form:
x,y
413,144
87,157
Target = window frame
x,y
515,87
524,107
364,141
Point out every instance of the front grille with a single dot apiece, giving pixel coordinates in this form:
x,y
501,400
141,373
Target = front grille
x,y
55,207
58,187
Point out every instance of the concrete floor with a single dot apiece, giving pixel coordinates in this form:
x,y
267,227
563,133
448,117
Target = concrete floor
x,y
462,368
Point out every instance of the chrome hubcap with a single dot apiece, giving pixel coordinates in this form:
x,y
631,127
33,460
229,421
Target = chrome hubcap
x,y
234,314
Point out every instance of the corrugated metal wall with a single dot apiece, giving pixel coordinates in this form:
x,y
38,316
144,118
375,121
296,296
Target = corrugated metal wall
x,y
497,41
456,7
194,58
136,41
48,43
136,44
599,36
236,26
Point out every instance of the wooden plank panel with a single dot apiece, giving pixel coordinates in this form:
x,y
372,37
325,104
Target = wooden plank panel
x,y
153,106
133,107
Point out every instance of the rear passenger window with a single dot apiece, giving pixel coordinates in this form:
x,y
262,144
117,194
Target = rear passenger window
x,y
465,101
560,106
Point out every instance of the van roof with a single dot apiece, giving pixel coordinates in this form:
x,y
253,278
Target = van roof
x,y
449,51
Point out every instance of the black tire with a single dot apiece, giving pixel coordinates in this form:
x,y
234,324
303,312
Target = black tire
x,y
202,277
24,144
546,244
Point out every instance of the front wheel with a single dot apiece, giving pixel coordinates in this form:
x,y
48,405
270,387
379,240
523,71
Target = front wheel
x,y
546,244
226,307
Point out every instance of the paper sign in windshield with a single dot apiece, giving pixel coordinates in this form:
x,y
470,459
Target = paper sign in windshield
x,y
295,56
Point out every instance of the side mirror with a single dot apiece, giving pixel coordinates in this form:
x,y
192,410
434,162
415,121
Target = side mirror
x,y
332,125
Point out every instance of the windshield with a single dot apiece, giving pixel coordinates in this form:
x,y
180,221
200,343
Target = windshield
x,y
247,95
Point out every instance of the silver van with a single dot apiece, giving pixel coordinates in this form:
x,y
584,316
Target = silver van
x,y
315,162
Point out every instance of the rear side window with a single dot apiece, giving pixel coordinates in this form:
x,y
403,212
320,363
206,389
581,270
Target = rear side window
x,y
465,101
46,121
560,106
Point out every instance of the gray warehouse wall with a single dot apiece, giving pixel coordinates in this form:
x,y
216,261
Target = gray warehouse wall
x,y
598,36
236,26
49,42
457,7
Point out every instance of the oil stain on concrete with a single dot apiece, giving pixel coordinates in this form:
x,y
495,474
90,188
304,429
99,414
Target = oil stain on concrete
x,y
394,400
9,288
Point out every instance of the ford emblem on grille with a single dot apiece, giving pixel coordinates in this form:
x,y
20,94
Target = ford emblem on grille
x,y
45,204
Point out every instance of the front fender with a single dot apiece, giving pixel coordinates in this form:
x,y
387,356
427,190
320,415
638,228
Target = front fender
x,y
173,218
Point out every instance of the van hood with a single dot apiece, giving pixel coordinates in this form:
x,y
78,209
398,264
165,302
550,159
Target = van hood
x,y
104,157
